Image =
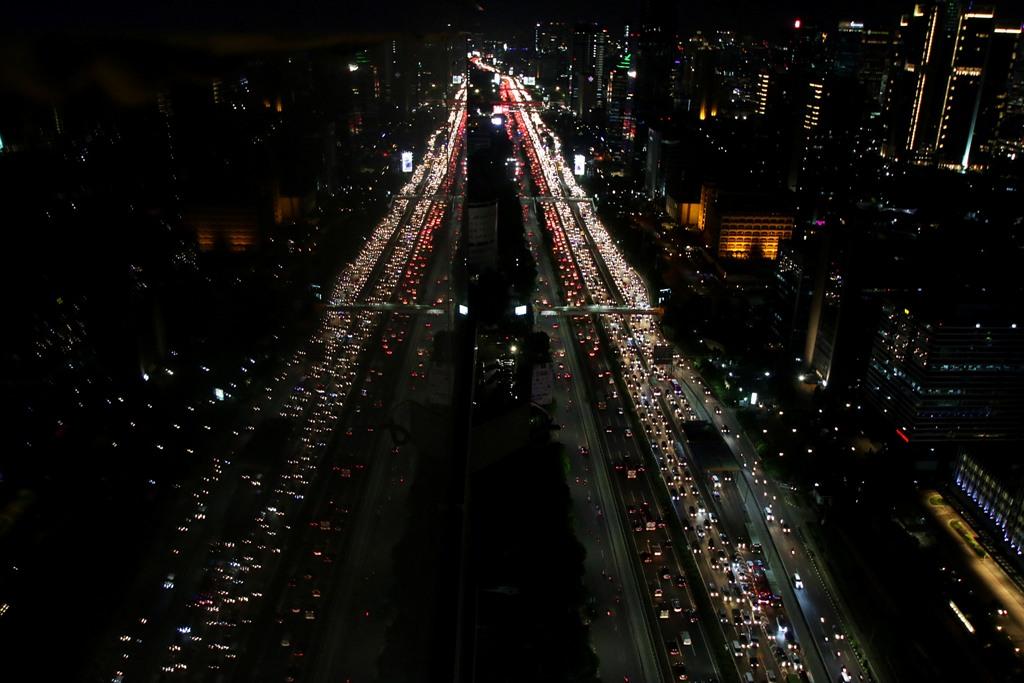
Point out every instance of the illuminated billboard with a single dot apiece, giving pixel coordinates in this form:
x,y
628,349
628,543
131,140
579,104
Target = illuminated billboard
x,y
456,79
406,162
579,164
529,80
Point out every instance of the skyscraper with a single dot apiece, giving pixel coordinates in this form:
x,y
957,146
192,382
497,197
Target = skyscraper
x,y
587,70
982,59
915,83
621,94
948,89
941,372
552,42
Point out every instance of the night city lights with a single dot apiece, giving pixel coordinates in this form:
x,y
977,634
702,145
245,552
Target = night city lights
x,y
499,342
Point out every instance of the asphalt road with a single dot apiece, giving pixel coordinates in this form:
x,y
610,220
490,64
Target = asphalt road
x,y
812,603
228,548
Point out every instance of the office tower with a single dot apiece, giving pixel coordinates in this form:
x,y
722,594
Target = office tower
x,y
949,88
587,70
621,93
966,86
991,481
763,84
807,150
864,54
916,83
948,371
794,294
652,52
1008,141
663,169
875,56
552,42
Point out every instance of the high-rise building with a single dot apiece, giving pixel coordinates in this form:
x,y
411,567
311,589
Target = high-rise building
x,y
979,70
916,83
949,87
794,294
664,162
875,57
552,42
948,372
652,53
621,93
1008,141
587,70
763,84
992,482
864,54
807,150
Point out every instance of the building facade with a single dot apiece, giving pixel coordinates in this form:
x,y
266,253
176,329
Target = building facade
x,y
951,374
995,487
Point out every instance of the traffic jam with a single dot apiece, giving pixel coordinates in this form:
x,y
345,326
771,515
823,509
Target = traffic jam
x,y
750,616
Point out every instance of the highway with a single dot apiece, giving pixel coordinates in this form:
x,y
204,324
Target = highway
x,y
654,610
237,554
594,272
620,631
279,566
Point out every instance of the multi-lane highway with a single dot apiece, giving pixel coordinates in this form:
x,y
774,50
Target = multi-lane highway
x,y
280,564
249,583
758,586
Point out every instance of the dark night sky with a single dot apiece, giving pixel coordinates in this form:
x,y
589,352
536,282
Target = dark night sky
x,y
405,16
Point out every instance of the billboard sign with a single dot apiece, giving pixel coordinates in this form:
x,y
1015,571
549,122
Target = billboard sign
x,y
579,164
406,162
529,80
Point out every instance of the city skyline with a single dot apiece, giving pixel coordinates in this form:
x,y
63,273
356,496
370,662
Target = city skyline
x,y
504,342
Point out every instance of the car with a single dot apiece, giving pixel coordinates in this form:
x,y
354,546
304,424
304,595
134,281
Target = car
x,y
679,581
665,573
680,673
691,616
663,610
658,592
673,647
629,432
584,451
798,583
646,557
677,607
